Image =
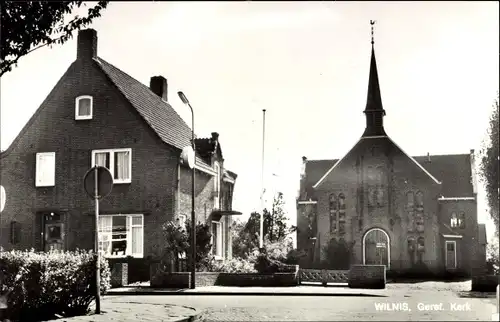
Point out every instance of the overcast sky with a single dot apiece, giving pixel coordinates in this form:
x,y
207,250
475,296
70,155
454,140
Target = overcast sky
x,y
307,64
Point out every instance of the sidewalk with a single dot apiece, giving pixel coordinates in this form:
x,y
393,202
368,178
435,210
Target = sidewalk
x,y
303,290
130,311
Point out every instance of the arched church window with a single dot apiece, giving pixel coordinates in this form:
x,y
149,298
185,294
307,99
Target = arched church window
x,y
454,220
341,215
333,213
370,173
411,244
381,187
410,197
421,244
420,199
461,220
411,221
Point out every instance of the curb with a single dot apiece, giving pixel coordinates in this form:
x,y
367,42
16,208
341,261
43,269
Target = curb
x,y
190,293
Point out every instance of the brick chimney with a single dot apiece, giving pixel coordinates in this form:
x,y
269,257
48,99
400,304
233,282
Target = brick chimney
x,y
303,169
158,84
215,136
86,44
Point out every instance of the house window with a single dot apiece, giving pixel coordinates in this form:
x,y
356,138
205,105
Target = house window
x,y
217,186
121,235
45,169
217,240
15,232
461,220
118,162
83,107
454,220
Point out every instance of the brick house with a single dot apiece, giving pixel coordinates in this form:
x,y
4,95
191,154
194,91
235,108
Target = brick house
x,y
412,214
97,114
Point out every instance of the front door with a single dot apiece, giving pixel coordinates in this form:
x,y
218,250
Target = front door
x,y
376,247
53,228
451,255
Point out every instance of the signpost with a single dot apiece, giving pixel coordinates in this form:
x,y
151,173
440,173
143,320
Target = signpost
x,y
98,183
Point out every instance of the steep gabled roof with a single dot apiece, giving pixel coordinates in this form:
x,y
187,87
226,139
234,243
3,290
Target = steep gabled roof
x,y
381,137
315,169
160,115
454,171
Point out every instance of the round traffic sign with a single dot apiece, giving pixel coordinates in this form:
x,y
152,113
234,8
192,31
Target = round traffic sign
x,y
2,198
187,156
104,182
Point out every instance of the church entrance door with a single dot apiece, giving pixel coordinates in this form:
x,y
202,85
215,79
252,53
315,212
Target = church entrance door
x,y
376,248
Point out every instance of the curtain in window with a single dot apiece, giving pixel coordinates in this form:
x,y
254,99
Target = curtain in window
x,y
101,159
122,165
105,228
84,107
137,235
454,220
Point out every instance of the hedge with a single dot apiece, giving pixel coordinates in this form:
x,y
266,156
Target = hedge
x,y
42,286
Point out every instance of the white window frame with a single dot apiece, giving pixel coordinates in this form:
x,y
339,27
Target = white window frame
x,y
129,223
77,107
217,185
220,235
112,163
454,251
50,181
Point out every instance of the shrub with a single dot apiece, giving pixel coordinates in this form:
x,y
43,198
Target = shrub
x,y
294,256
235,265
43,285
177,243
338,254
492,261
266,265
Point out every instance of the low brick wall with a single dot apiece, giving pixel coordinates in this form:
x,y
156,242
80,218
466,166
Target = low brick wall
x,y
254,279
161,279
485,283
119,275
367,276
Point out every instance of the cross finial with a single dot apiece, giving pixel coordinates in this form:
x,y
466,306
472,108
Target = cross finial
x,y
372,22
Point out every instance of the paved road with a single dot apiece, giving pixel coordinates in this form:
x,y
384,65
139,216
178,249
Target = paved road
x,y
402,303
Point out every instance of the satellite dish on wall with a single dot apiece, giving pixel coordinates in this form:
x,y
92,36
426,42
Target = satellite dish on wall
x,y
187,156
2,198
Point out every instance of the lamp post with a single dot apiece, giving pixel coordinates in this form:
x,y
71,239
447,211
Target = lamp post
x,y
193,216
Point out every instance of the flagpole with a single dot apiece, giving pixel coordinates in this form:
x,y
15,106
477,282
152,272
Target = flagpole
x,y
261,235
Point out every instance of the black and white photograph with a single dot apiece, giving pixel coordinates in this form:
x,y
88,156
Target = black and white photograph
x,y
249,161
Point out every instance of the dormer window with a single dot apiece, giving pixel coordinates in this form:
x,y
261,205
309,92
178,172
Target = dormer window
x,y
83,107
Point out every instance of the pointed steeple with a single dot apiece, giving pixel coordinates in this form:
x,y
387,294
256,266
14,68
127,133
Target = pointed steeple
x,y
374,110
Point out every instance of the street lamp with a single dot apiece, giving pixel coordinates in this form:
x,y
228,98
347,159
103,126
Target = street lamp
x,y
193,217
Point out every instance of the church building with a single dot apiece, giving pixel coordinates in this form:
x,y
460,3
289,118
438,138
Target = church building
x,y
379,205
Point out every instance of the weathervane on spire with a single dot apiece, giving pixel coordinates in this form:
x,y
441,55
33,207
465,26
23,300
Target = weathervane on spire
x,y
372,22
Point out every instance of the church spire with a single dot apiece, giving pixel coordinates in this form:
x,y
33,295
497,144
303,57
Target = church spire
x,y
374,110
